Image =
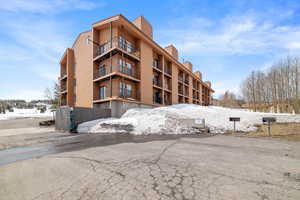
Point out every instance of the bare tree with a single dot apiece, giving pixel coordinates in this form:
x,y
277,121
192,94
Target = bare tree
x,y
278,87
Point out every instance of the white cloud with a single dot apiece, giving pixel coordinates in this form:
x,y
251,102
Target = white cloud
x,y
247,34
46,6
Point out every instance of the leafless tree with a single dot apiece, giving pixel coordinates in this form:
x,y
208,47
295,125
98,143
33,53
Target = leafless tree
x,y
278,87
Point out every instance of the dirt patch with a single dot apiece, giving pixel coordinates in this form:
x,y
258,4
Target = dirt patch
x,y
290,131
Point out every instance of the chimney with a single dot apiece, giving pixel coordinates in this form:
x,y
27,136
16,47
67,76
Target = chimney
x,y
188,65
143,25
198,74
172,51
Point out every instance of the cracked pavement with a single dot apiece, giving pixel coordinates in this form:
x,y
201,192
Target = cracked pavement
x,y
219,167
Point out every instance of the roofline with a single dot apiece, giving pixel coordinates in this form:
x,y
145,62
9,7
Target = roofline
x,y
64,54
79,36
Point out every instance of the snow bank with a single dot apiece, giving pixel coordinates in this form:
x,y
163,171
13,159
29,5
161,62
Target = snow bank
x,y
25,113
168,120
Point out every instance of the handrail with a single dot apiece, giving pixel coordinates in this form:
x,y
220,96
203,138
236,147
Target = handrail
x,y
116,42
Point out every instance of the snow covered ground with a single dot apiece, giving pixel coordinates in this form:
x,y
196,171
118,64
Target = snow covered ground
x,y
168,120
25,113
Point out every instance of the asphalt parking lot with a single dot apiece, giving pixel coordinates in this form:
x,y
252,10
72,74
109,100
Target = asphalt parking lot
x,y
219,167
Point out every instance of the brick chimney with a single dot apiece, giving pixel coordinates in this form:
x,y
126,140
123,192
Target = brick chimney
x,y
143,25
199,75
188,65
172,51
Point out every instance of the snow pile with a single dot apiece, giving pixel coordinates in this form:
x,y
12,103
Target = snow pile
x,y
168,120
25,113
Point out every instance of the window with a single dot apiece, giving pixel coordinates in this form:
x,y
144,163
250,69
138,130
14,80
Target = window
x,y
122,66
129,90
122,89
122,42
102,70
129,47
102,92
129,68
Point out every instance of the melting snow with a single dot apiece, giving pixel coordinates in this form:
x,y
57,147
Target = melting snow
x,y
167,120
25,113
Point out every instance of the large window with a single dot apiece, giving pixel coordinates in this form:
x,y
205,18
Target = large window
x,y
122,66
122,89
129,47
122,42
129,90
102,70
125,90
129,68
102,92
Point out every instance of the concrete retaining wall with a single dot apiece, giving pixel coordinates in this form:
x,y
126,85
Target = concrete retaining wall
x,y
66,117
81,114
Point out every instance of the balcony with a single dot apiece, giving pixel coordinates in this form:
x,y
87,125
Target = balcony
x,y
186,80
63,75
102,72
129,94
180,91
157,82
157,65
121,44
168,71
180,78
157,99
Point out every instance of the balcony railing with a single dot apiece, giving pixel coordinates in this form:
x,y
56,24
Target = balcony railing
x,y
186,80
129,94
63,74
116,43
157,100
168,70
156,64
128,72
116,68
180,91
180,78
157,82
63,88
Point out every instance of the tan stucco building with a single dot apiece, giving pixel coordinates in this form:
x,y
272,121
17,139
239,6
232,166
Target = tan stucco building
x,y
118,62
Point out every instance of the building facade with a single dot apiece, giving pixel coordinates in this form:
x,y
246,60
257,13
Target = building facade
x,y
118,61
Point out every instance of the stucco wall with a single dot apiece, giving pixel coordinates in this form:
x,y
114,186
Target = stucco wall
x,y
146,73
83,71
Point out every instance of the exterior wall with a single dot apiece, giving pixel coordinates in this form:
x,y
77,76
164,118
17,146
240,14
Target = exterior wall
x,y
83,71
70,79
146,73
174,84
190,89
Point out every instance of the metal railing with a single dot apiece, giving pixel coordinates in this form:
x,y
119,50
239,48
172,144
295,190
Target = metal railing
x,y
180,78
180,91
130,72
157,100
168,70
63,74
186,80
115,68
157,82
115,42
156,64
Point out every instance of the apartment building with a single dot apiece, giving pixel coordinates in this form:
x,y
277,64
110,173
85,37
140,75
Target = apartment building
x,y
118,65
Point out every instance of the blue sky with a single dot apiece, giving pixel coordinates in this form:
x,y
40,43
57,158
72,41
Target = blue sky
x,y
224,39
